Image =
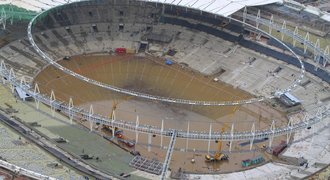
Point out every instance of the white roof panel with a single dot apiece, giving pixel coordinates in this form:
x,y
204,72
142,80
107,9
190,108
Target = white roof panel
x,y
186,2
220,7
203,4
326,17
291,97
230,9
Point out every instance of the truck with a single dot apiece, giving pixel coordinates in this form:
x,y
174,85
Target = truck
x,y
278,149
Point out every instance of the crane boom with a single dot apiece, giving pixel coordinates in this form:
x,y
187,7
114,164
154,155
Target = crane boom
x,y
218,156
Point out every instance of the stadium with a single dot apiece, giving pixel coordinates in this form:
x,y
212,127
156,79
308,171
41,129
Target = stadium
x,y
184,89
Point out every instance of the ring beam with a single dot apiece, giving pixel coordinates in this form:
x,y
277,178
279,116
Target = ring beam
x,y
9,76
46,57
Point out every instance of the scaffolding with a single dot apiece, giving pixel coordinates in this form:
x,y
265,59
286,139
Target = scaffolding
x,y
151,166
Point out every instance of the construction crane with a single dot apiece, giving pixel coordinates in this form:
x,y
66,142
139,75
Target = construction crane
x,y
219,156
114,107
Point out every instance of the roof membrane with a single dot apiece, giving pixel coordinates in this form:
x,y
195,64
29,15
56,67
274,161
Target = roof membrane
x,y
220,7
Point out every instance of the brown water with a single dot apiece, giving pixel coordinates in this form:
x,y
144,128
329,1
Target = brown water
x,y
151,75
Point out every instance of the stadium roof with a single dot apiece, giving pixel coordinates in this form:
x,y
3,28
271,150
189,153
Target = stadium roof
x,y
220,7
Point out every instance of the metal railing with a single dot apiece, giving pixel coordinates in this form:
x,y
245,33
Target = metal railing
x,y
317,50
9,77
74,112
169,155
46,57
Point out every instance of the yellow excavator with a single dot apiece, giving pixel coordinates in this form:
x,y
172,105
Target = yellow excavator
x,y
219,156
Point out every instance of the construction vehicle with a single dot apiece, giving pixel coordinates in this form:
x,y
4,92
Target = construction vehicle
x,y
119,134
253,161
86,157
111,116
128,143
278,149
219,156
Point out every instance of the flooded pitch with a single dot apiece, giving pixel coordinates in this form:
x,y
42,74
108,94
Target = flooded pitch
x,y
151,75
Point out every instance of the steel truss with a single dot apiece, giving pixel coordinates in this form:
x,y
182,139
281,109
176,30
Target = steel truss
x,y
3,19
315,48
9,78
169,155
51,61
71,111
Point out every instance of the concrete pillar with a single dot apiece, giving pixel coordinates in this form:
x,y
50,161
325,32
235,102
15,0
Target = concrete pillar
x,y
253,130
271,137
36,92
209,143
149,142
283,28
288,136
257,19
187,139
113,118
70,110
161,134
11,76
90,114
232,137
295,32
270,27
52,100
244,15
305,42
136,131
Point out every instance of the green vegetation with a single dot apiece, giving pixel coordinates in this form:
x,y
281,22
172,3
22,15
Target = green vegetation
x,y
16,13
